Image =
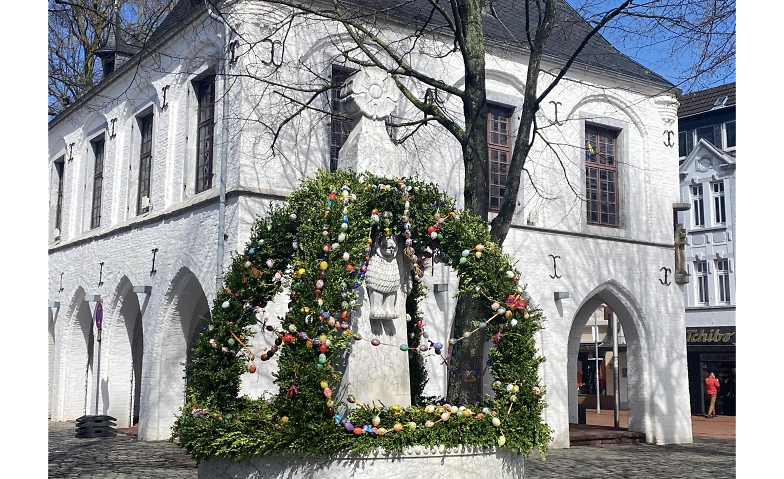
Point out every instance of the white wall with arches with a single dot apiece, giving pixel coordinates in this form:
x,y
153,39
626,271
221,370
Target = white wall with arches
x,y
146,336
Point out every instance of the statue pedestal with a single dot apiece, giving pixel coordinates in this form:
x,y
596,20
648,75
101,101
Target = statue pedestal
x,y
414,463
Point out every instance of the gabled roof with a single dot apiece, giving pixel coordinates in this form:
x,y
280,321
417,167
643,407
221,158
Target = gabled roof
x,y
702,101
702,148
510,16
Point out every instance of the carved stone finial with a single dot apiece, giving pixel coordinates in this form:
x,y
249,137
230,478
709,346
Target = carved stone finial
x,y
371,93
369,96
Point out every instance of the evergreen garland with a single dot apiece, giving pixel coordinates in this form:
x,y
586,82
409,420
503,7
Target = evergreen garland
x,y
316,245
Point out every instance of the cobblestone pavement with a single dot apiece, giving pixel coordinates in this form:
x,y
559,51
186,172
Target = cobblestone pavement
x,y
125,457
119,457
713,458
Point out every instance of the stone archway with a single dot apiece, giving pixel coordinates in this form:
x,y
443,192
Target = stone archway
x,y
124,332
630,318
186,303
77,354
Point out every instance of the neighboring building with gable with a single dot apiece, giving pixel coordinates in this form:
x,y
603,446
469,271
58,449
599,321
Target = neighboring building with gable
x,y
138,220
706,121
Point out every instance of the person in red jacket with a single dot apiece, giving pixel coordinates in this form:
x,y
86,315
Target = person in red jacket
x,y
711,388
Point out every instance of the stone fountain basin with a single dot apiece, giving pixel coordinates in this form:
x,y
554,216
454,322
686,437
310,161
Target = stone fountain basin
x,y
415,462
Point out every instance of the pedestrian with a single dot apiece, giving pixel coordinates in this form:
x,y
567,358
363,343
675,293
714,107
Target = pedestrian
x,y
711,388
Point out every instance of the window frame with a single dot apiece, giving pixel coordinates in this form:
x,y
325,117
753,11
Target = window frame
x,y
723,290
611,171
59,169
719,203
144,184
340,124
698,213
499,148
205,126
716,134
99,157
683,144
701,290
724,128
720,131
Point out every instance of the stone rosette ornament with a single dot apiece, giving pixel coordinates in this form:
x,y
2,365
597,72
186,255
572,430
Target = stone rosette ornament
x,y
370,92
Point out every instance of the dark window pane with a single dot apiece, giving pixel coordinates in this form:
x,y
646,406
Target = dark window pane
x,y
341,123
145,162
98,152
706,133
682,150
205,96
730,131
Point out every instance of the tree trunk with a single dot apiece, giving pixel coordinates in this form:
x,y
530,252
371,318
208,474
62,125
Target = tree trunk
x,y
466,355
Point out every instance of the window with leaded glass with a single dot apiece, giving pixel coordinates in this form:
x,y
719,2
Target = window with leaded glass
x,y
340,123
59,168
98,152
601,176
499,151
698,206
205,98
145,163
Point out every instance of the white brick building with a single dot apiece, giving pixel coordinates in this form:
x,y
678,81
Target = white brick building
x,y
147,113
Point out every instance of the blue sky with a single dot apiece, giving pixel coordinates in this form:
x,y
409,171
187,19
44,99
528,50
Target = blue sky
x,y
654,49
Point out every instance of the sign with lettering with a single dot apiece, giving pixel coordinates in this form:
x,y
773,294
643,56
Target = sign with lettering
x,y
718,336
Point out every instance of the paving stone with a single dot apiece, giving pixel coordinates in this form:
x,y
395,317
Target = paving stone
x,y
125,457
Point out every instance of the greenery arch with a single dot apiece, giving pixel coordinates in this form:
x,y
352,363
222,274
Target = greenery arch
x,y
316,246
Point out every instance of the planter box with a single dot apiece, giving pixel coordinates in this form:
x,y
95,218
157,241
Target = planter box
x,y
414,463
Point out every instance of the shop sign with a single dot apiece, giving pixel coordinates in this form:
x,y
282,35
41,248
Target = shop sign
x,y
711,336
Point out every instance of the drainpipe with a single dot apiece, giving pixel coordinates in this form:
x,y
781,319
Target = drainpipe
x,y
224,153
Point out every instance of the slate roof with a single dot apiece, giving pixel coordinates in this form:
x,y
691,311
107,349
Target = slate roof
x,y
114,42
175,18
569,31
703,100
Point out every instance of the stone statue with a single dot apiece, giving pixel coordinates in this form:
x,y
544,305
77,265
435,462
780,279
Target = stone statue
x,y
377,367
680,249
388,277
378,374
